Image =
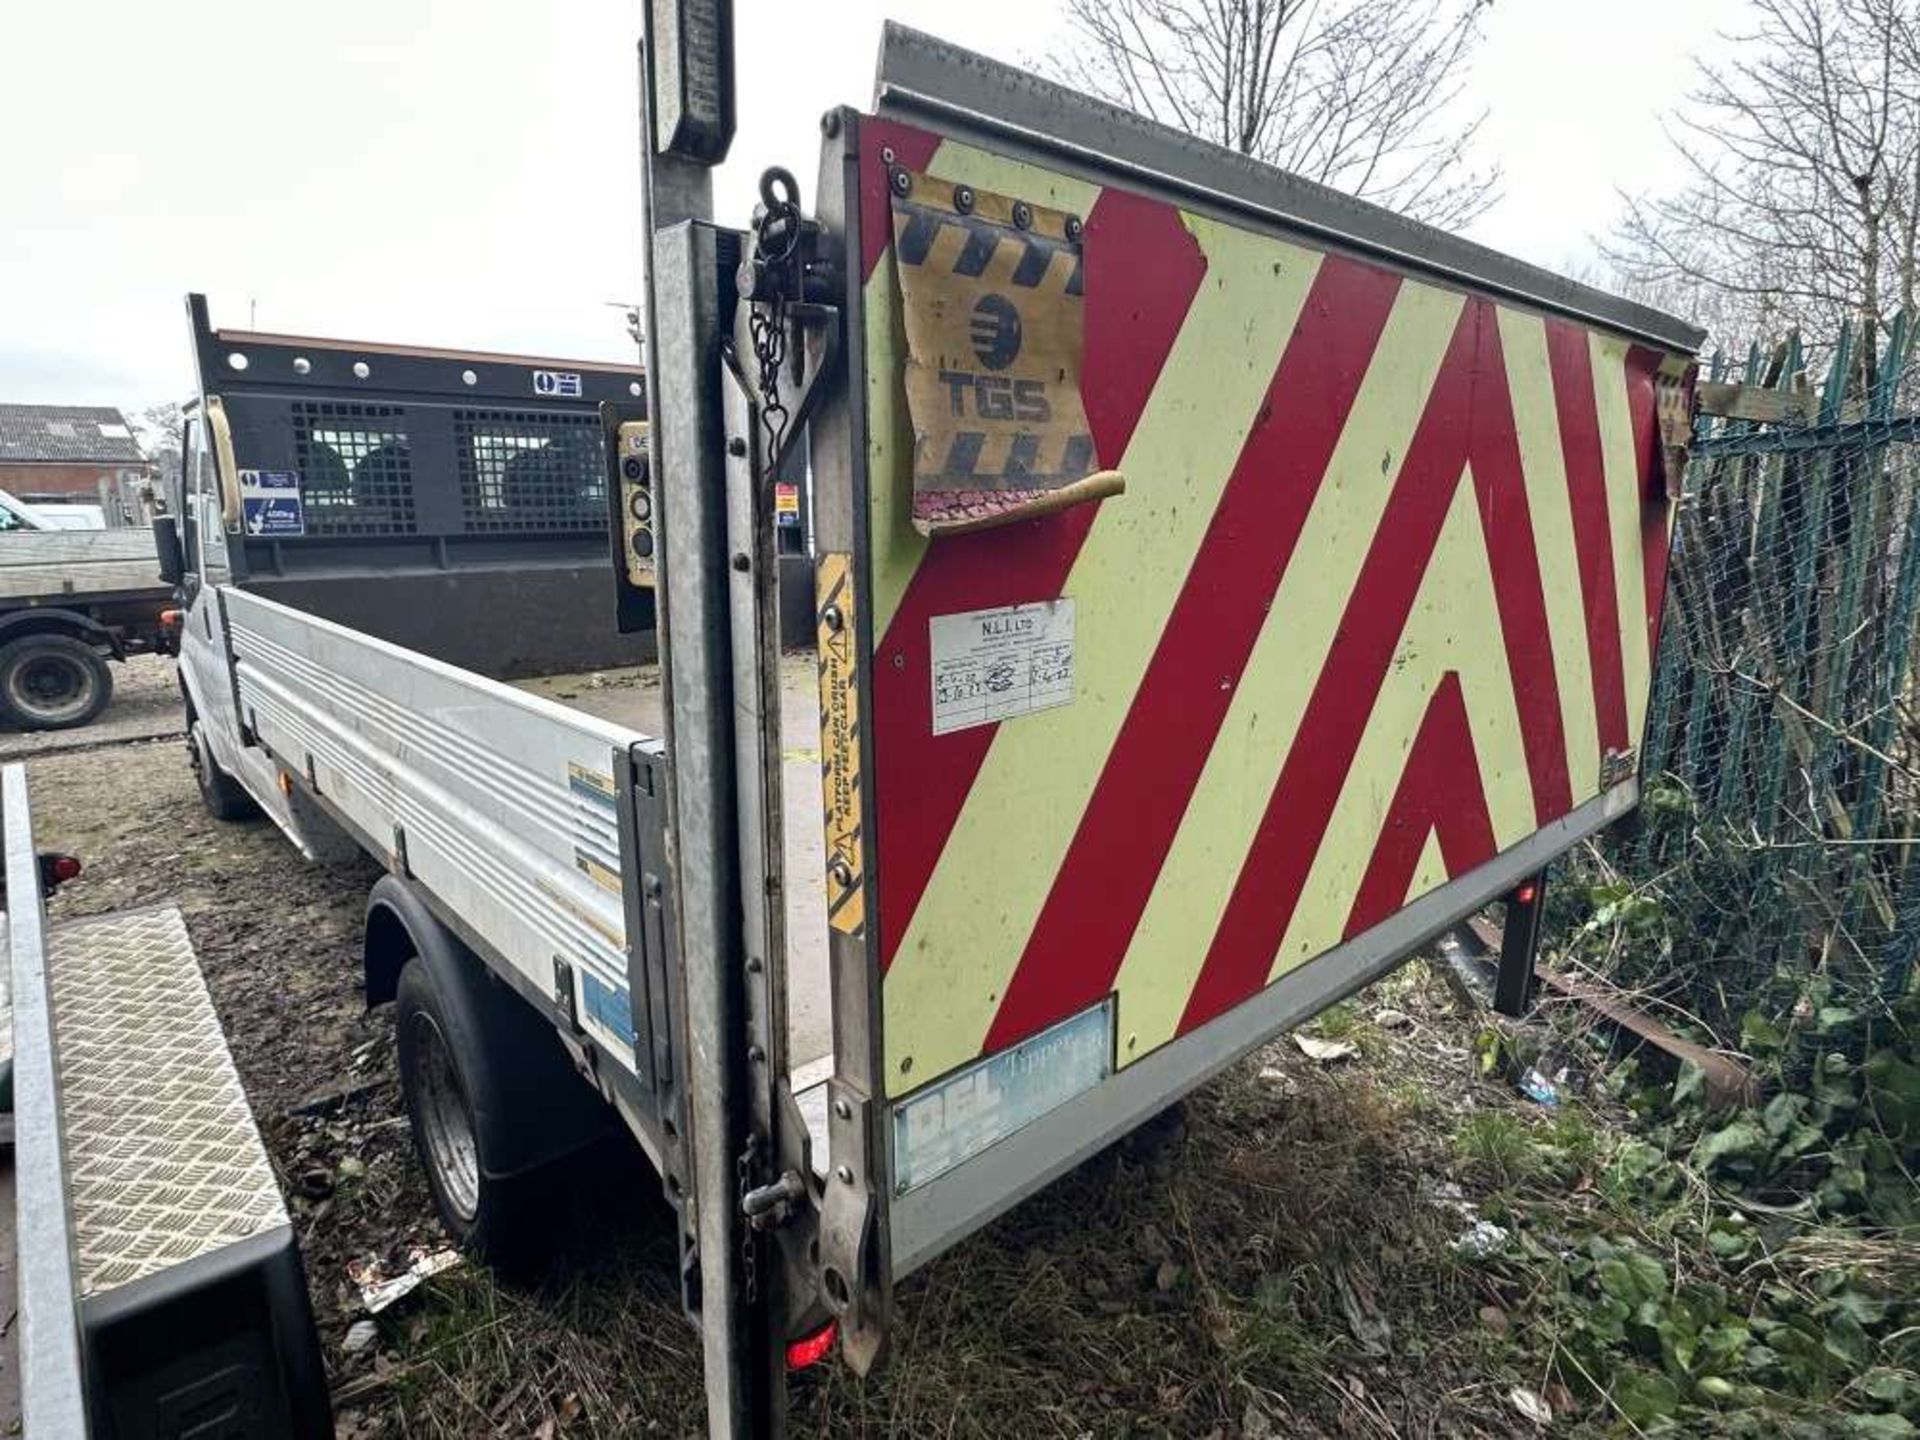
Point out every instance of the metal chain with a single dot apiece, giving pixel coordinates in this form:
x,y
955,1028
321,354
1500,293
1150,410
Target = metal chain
x,y
749,1237
776,241
768,326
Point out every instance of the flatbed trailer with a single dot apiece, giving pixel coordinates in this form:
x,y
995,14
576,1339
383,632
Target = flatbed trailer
x,y
1308,605
70,601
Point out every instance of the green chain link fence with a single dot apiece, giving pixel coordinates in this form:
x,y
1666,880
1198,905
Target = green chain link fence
x,y
1775,869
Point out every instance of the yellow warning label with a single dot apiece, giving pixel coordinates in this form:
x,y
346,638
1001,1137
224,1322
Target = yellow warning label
x,y
993,296
840,744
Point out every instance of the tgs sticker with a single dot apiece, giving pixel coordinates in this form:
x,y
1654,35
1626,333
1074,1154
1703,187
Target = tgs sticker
x,y
557,384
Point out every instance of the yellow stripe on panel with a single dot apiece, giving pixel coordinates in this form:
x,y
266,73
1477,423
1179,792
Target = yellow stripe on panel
x,y
1523,341
1430,873
897,546
1455,625
1171,940
1623,517
960,950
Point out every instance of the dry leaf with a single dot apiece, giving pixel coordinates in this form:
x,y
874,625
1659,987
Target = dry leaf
x,y
1372,1329
1530,1405
1327,1052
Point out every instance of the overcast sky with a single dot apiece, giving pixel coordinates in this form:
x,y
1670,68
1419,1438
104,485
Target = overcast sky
x,y
464,172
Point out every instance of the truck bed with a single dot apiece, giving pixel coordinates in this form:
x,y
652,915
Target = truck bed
x,y
499,801
632,696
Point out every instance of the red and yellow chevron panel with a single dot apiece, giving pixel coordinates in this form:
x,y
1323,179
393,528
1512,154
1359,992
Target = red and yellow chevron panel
x,y
1380,599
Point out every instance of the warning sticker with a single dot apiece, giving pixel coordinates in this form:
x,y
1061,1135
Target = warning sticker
x,y
270,502
993,292
991,665
840,743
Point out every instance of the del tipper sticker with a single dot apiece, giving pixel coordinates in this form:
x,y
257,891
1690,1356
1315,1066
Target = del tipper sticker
x,y
953,1120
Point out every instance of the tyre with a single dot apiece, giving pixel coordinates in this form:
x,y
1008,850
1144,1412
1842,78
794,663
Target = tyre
x,y
225,797
53,682
485,1213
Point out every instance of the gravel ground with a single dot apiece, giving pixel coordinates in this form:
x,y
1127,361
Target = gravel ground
x,y
145,705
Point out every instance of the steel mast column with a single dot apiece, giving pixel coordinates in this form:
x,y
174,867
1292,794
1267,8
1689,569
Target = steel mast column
x,y
686,82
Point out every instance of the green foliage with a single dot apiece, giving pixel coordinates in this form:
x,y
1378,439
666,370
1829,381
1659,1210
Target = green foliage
x,y
1665,1300
1847,1137
1842,1127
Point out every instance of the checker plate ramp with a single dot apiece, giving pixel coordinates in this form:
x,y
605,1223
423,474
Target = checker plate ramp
x,y
165,1164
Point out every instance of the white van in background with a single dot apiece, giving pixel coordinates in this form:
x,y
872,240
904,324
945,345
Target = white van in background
x,y
17,514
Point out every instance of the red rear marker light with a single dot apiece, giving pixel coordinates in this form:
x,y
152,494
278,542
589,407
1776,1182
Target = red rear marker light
x,y
65,868
1524,895
811,1349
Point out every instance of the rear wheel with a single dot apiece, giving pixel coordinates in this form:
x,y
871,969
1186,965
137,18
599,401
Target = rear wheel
x,y
53,682
487,1214
225,797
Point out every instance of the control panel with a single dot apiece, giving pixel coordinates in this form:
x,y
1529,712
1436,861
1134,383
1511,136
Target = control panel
x,y
636,503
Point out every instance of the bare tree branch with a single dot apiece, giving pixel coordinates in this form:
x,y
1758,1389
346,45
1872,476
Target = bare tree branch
x,y
1801,146
1362,95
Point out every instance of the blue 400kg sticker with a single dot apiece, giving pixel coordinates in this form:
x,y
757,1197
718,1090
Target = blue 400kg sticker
x,y
270,502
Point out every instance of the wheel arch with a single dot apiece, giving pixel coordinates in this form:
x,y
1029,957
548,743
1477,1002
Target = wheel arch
x,y
56,620
531,1106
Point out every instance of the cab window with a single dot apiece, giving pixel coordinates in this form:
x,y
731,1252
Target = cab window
x,y
202,488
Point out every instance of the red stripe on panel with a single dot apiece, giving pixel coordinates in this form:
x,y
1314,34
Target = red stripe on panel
x,y
1572,366
1500,486
1103,885
1298,811
912,149
1655,511
1143,269
1440,793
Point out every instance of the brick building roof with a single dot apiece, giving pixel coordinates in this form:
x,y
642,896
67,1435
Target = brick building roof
x,y
66,434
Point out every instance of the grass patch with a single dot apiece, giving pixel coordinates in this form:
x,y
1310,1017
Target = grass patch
x,y
1337,1022
1496,1147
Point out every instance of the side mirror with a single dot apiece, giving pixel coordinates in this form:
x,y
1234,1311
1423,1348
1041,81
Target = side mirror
x,y
166,542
